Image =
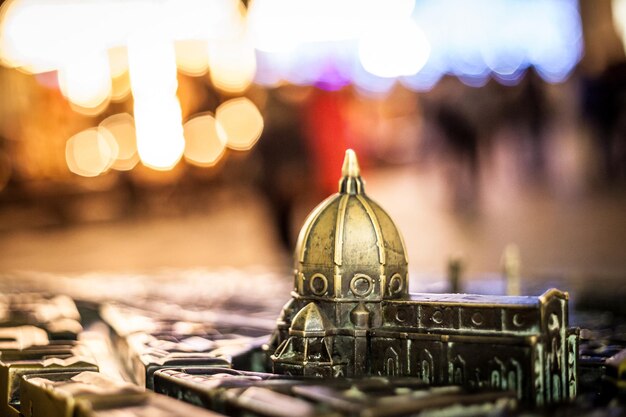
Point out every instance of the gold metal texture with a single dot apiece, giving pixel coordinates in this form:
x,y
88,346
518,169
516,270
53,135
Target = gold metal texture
x,y
347,237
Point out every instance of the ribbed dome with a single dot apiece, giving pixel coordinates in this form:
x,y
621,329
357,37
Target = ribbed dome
x,y
349,246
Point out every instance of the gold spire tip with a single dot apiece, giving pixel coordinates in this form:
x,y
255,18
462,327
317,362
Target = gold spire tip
x,y
350,165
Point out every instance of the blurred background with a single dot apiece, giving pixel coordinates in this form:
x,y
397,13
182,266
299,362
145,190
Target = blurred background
x,y
137,135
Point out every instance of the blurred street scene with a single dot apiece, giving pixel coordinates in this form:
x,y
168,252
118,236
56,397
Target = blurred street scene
x,y
137,136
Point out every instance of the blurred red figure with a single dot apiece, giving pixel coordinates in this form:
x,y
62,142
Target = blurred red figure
x,y
326,132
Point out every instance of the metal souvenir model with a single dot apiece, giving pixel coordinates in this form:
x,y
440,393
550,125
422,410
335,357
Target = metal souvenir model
x,y
351,313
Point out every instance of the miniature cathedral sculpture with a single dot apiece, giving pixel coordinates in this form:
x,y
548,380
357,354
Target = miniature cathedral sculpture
x,y
351,313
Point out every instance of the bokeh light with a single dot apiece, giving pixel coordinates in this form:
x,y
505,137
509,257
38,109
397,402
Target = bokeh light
x,y
90,153
240,123
158,117
203,145
397,48
120,80
298,38
120,87
121,128
86,82
471,40
104,51
118,61
619,19
232,64
41,36
192,57
160,140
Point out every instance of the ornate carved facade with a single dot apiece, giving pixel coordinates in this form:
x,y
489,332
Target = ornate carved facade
x,y
351,313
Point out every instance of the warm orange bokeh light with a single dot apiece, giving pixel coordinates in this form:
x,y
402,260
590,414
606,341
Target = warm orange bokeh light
x,y
203,145
158,117
121,128
118,60
90,153
192,57
86,81
232,64
240,122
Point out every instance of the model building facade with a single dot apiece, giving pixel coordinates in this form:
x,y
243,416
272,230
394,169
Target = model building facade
x,y
351,313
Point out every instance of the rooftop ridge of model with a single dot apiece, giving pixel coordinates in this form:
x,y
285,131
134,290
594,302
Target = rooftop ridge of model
x,y
351,313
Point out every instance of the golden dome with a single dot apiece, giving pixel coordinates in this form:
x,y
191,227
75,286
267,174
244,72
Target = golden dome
x,y
349,248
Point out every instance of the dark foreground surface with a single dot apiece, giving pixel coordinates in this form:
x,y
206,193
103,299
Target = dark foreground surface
x,y
190,343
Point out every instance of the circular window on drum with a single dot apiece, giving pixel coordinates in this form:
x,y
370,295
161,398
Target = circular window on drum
x,y
318,284
396,284
361,285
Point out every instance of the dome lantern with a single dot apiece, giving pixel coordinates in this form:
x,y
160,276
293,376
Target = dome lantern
x,y
351,182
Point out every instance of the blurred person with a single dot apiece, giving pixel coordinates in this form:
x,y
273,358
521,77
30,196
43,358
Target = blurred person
x,y
451,135
286,172
326,133
530,115
603,70
461,149
605,106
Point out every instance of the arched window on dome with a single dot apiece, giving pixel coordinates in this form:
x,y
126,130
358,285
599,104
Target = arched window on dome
x,y
396,284
318,284
361,285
